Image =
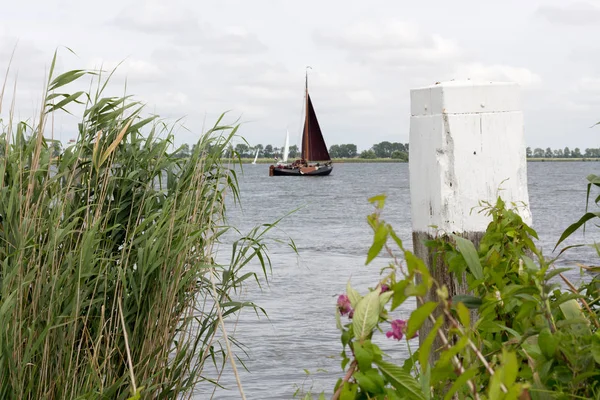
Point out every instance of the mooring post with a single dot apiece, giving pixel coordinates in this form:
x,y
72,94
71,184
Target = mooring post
x,y
466,143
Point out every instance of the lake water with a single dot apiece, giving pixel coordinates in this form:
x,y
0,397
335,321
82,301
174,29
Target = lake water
x,y
332,238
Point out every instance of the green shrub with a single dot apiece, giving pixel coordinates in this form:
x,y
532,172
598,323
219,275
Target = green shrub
x,y
368,154
531,339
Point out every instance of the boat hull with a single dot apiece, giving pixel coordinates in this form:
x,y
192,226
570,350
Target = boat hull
x,y
322,170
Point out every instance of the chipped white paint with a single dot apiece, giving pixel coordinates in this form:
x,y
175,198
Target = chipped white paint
x,y
466,142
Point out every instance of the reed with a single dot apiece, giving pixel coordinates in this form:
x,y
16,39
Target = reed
x,y
108,284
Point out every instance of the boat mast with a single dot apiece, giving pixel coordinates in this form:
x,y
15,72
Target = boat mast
x,y
306,128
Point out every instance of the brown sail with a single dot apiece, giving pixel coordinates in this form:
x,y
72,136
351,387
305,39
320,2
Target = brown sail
x,y
313,144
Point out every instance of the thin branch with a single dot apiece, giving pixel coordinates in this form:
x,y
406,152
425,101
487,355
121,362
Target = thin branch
x,y
351,370
457,363
585,304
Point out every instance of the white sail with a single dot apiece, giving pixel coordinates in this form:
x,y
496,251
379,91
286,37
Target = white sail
x,y
255,157
286,146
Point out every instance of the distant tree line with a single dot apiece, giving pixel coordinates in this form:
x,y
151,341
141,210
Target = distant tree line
x,y
380,150
395,150
562,153
268,151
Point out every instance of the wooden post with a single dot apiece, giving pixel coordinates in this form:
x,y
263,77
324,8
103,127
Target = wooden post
x,y
466,142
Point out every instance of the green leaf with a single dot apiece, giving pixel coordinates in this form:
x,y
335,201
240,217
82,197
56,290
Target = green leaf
x,y
425,348
495,391
573,313
419,316
510,368
596,347
366,315
364,355
143,122
66,78
415,263
401,380
467,249
370,381
547,343
425,382
137,395
379,240
514,392
384,298
463,314
349,391
471,302
396,239
379,200
573,227
460,382
392,394
338,320
353,295
415,290
399,295
64,102
555,272
446,356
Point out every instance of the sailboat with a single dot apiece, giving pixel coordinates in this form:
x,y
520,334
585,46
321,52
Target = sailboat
x,y
255,157
315,159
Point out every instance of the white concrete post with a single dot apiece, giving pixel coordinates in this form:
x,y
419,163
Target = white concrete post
x,y
466,142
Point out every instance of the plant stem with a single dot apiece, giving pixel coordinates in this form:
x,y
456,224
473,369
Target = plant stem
x,y
229,352
338,392
127,346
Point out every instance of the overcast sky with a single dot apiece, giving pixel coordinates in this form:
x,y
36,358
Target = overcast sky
x,y
198,59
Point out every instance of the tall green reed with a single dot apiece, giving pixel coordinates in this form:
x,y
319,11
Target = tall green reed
x,y
108,284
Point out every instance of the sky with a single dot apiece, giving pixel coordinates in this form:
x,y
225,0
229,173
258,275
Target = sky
x,y
191,61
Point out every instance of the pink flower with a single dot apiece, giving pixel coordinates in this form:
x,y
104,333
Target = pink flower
x,y
398,330
384,288
398,327
343,304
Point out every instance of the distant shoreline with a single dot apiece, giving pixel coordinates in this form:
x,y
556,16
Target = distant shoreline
x,y
543,159
335,160
390,160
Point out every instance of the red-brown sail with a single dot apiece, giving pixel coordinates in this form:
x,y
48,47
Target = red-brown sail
x,y
313,144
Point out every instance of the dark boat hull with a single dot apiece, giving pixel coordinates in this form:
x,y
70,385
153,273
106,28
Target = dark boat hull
x,y
322,170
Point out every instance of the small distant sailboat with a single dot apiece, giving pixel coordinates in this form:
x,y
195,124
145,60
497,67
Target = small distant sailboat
x,y
286,147
255,157
315,160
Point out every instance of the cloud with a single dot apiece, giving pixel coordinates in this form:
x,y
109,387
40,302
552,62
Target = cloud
x,y
169,100
392,44
228,40
29,64
584,94
136,70
588,84
156,17
361,97
373,36
576,14
180,26
265,93
497,72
